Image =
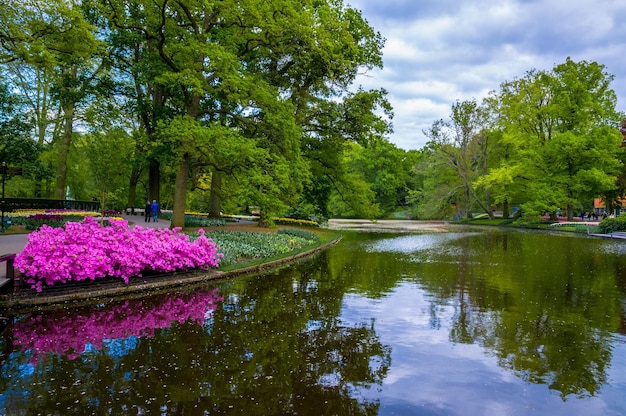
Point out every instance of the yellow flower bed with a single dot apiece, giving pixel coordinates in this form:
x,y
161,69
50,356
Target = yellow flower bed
x,y
29,212
200,214
291,221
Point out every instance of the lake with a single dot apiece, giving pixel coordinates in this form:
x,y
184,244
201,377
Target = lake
x,y
479,321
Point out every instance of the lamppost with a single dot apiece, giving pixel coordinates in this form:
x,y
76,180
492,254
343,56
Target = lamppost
x,y
3,170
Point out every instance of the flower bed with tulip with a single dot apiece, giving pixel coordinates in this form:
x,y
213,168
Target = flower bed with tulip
x,y
240,247
33,219
88,250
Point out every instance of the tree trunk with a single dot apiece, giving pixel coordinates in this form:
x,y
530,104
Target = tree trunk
x,y
468,201
150,105
64,150
486,208
182,174
132,187
154,180
488,205
180,192
41,116
264,221
505,209
570,212
103,200
215,202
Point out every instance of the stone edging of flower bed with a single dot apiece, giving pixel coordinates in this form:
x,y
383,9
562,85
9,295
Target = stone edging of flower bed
x,y
138,287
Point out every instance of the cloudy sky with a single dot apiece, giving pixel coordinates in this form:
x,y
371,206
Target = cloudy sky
x,y
440,51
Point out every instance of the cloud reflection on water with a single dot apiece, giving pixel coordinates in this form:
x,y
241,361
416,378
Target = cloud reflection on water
x,y
437,376
417,244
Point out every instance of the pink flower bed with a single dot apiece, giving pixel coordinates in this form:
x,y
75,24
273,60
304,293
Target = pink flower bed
x,y
69,335
88,251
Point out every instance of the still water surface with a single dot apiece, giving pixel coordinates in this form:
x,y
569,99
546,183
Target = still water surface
x,y
480,322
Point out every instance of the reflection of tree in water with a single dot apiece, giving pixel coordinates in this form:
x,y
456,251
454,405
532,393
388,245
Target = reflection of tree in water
x,y
550,327
621,285
290,350
567,354
339,360
272,347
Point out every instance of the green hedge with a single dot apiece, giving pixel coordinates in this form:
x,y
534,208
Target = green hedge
x,y
610,224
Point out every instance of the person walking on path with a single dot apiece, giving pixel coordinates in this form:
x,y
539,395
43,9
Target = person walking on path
x,y
155,211
146,211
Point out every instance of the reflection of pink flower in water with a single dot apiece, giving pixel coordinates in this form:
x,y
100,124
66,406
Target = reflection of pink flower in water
x,y
68,334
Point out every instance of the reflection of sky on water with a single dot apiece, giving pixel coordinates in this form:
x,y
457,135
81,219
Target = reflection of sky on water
x,y
613,247
439,377
114,347
118,347
412,243
420,247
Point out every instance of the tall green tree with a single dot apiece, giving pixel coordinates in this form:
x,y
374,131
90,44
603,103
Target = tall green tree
x,y
461,144
559,141
108,154
55,40
233,65
331,126
382,166
135,65
584,153
353,196
16,147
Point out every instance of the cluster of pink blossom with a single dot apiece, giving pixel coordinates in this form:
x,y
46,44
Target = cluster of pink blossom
x,y
69,334
88,250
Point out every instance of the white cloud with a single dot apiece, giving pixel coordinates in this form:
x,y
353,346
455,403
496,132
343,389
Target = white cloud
x,y
440,52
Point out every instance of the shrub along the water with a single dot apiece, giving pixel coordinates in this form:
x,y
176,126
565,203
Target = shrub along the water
x,y
89,250
611,225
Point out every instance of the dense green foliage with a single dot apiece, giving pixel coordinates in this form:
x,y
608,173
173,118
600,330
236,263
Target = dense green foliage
x,y
544,143
215,107
197,105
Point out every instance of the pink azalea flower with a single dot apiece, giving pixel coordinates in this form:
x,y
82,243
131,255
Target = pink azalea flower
x,y
87,251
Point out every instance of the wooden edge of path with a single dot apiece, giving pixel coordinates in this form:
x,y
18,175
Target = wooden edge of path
x,y
139,286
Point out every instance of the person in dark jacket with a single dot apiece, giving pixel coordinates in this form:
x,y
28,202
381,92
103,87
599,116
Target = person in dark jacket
x,y
146,211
